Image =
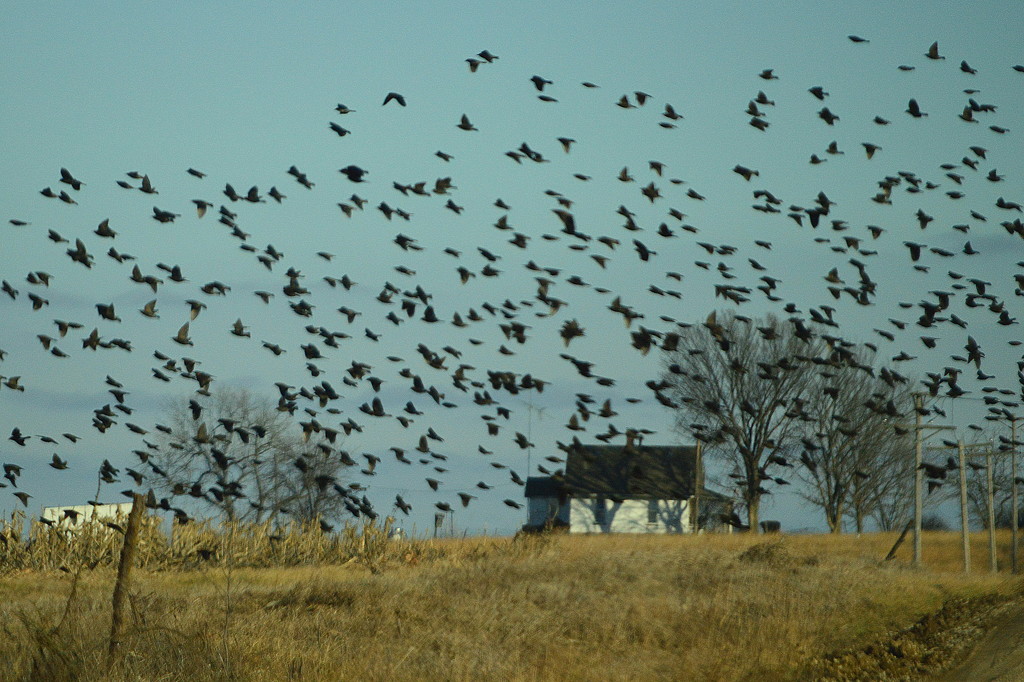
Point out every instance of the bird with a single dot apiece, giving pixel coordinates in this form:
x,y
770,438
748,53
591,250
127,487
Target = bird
x,y
67,178
539,82
745,173
394,97
182,336
353,173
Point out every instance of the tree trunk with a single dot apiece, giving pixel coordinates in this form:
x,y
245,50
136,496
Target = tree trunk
x,y
832,518
753,504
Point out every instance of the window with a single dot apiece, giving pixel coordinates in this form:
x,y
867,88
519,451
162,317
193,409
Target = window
x,y
652,511
599,511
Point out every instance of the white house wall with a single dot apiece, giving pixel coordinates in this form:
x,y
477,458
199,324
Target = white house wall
x,y
629,516
540,510
87,512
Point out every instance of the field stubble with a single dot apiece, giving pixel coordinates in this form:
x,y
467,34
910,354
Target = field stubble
x,y
356,605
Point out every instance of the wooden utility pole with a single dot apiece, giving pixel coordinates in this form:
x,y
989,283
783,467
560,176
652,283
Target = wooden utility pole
x,y
918,473
965,531
698,488
962,453
993,564
918,478
1013,494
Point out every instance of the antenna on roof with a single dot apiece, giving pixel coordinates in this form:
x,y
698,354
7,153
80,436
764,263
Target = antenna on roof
x,y
531,408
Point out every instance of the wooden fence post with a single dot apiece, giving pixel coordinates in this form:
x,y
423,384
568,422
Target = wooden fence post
x,y
124,569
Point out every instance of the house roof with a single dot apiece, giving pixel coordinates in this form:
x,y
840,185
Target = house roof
x,y
637,472
643,471
545,486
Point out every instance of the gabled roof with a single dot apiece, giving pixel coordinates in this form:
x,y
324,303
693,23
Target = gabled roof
x,y
637,472
641,471
545,486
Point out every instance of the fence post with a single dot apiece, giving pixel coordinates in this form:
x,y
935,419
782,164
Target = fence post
x,y
124,569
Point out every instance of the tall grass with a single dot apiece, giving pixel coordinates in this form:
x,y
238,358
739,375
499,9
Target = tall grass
x,y
95,544
354,604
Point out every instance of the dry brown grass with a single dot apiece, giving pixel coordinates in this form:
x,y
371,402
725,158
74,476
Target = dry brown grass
x,y
95,545
531,608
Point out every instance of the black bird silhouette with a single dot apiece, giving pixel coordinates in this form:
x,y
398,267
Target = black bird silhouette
x,y
353,173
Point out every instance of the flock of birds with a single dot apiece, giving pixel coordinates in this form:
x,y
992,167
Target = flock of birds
x,y
410,382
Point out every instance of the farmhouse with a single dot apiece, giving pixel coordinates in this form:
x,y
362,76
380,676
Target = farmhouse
x,y
71,517
635,489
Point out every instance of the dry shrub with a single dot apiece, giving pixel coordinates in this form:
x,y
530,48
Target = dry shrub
x,y
776,554
773,553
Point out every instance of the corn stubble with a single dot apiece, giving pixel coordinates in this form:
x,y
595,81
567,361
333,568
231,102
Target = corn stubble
x,y
249,602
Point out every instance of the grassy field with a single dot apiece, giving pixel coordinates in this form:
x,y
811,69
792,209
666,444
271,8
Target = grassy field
x,y
532,608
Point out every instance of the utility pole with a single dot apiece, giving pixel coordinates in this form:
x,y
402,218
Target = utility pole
x,y
1013,494
531,407
1014,501
918,473
964,518
964,523
698,480
919,477
993,564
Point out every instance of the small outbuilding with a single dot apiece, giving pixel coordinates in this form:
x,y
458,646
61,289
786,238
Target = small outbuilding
x,y
626,489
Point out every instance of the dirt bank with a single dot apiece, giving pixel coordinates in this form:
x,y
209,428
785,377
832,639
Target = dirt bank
x,y
967,639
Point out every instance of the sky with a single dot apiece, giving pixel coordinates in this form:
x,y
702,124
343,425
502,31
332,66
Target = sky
x,y
244,91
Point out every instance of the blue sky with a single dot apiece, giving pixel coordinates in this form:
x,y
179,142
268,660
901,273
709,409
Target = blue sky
x,y
243,91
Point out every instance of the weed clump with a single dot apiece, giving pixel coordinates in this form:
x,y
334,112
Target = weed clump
x,y
772,553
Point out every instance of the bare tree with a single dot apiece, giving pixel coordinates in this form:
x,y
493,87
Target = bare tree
x,y
244,459
888,497
853,442
739,386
